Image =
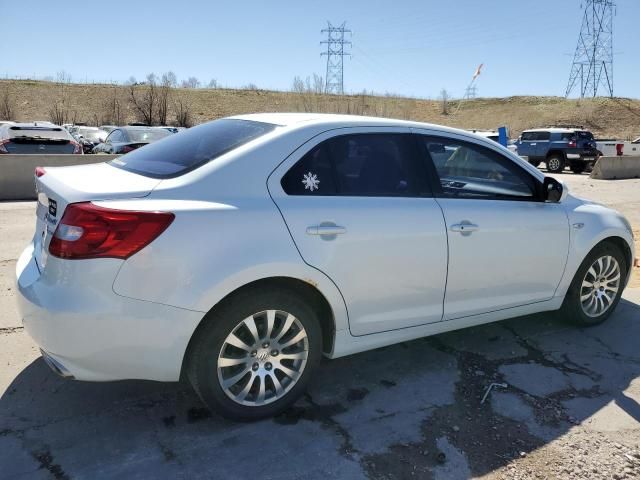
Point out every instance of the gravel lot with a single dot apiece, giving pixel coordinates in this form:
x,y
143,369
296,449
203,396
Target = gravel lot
x,y
569,408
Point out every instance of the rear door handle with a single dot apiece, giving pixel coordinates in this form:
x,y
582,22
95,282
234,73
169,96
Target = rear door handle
x,y
326,230
464,227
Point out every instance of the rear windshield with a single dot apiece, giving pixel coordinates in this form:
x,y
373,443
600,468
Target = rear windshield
x,y
187,150
93,134
147,134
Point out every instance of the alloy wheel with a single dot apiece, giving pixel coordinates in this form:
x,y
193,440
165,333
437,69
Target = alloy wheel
x,y
263,358
600,286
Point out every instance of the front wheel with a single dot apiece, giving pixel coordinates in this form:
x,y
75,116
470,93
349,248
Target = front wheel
x,y
254,356
555,164
597,286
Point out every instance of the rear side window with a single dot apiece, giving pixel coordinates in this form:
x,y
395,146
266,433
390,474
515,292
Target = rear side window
x,y
367,165
182,152
543,136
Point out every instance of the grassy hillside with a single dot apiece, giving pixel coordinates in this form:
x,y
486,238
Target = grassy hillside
x,y
33,100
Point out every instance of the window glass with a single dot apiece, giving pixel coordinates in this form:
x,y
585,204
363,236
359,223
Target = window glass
x,y
468,170
566,136
187,150
147,134
114,137
585,135
543,136
361,165
528,136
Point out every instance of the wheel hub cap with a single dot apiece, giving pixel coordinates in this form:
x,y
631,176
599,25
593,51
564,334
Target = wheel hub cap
x,y
262,358
600,286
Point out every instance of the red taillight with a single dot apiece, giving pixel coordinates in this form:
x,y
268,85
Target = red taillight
x,y
3,149
89,231
77,148
572,143
40,171
127,149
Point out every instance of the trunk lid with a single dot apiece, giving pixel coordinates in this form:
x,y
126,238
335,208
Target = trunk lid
x,y
60,186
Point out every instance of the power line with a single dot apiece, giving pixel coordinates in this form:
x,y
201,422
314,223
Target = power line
x,y
592,66
334,80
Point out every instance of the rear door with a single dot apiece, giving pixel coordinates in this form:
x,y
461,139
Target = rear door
x,y
506,248
358,207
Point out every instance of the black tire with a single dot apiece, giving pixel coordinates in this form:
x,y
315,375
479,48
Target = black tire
x,y
572,310
202,364
555,164
578,167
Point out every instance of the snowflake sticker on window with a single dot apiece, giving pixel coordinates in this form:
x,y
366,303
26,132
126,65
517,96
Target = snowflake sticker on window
x,y
310,181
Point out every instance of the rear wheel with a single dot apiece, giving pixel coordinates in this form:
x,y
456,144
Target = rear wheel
x,y
555,164
256,354
597,286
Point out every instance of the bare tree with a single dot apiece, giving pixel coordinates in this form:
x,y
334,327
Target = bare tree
x,y
444,98
6,105
131,81
250,86
63,77
182,111
191,82
58,113
213,83
112,110
171,79
144,99
164,91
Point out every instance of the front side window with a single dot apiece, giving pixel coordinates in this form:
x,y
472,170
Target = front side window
x,y
467,170
528,136
356,165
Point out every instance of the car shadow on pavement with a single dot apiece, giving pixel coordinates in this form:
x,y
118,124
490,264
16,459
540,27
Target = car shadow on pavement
x,y
411,409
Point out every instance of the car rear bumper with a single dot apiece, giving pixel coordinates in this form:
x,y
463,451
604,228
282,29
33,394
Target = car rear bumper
x,y
100,336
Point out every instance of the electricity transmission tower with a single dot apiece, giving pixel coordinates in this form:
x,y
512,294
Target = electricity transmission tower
x,y
471,92
334,79
593,60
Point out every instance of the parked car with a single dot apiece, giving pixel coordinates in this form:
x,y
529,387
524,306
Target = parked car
x,y
108,128
89,137
37,138
237,253
613,147
127,139
559,147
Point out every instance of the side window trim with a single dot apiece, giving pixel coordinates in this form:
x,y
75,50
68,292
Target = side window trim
x,y
434,177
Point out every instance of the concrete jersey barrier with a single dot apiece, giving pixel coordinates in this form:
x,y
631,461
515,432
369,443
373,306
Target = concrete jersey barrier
x,y
610,168
17,171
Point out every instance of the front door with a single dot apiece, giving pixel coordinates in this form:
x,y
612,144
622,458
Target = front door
x,y
359,209
506,248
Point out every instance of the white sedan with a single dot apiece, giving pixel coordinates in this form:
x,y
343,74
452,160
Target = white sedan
x,y
235,254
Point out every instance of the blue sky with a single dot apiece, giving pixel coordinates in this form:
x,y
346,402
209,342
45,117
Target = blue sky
x,y
411,47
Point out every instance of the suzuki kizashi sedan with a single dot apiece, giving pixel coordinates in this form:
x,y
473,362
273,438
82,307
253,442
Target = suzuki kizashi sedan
x,y
236,253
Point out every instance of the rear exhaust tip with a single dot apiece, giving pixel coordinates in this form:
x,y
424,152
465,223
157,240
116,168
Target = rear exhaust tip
x,y
55,365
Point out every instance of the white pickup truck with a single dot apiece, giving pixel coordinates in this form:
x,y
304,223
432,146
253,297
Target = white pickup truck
x,y
610,148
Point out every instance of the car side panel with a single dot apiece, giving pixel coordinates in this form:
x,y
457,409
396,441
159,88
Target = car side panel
x,y
210,250
588,228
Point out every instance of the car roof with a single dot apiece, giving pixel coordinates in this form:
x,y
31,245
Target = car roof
x,y
330,120
556,130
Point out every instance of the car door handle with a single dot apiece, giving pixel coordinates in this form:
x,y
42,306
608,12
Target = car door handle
x,y
326,230
464,227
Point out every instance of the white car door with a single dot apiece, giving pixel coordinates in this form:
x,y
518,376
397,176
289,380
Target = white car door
x,y
506,247
359,208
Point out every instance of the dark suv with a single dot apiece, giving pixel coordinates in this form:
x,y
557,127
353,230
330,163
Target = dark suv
x,y
559,147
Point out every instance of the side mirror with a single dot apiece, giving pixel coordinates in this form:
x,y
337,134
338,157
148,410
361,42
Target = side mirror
x,y
552,190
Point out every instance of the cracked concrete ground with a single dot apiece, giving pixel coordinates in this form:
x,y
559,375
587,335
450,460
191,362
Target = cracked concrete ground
x,y
571,408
